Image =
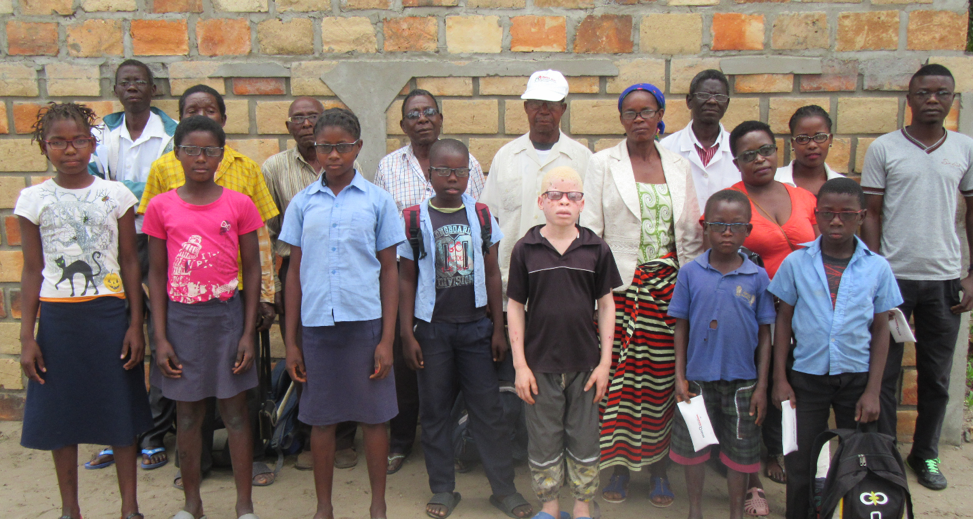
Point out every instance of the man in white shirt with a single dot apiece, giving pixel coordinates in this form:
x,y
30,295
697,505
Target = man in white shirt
x,y
514,182
704,142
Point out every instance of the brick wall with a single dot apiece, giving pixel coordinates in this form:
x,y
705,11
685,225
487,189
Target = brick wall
x,y
853,57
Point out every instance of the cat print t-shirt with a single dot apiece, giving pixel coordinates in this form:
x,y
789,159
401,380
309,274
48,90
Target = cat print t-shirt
x,y
79,237
202,241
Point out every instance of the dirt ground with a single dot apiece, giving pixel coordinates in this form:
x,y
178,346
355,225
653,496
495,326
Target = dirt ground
x,y
28,490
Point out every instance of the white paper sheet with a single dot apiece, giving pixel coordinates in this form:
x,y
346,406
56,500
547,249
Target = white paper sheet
x,y
700,428
899,327
789,426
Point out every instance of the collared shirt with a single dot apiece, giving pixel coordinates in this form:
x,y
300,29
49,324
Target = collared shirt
x,y
286,175
339,237
706,154
399,173
724,314
834,339
785,174
235,172
514,183
426,285
718,174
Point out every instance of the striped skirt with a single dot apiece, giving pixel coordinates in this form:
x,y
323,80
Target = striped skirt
x,y
637,412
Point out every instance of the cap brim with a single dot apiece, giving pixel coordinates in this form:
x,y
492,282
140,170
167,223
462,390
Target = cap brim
x,y
538,95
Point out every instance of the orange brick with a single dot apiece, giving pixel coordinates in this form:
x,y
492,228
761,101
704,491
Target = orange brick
x,y
3,119
15,304
935,30
3,308
46,7
875,30
259,86
909,348
95,38
910,387
604,34
31,39
12,407
25,115
177,6
733,31
159,37
538,34
905,424
223,36
837,76
411,33
12,225
761,83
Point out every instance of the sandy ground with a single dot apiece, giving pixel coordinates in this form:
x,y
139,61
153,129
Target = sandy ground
x,y
28,489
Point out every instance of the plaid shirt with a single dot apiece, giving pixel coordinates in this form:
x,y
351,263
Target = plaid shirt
x,y
399,174
238,173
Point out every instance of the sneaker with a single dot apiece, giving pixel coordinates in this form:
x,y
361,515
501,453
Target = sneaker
x,y
928,472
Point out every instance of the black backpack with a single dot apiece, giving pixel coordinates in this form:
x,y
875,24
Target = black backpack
x,y
414,233
866,479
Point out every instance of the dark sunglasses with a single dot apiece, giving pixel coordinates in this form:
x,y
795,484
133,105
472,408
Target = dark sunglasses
x,y
428,112
767,150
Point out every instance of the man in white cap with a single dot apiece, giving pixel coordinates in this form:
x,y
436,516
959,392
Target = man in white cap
x,y
514,180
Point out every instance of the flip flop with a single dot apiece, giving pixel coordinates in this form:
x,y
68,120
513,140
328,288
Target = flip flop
x,y
544,515
660,488
756,502
104,452
780,463
395,463
509,503
619,485
150,453
446,499
259,469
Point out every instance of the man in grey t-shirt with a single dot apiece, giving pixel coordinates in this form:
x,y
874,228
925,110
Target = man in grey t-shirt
x,y
911,178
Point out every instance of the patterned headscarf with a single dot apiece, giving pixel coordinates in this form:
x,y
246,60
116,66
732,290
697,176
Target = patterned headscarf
x,y
652,89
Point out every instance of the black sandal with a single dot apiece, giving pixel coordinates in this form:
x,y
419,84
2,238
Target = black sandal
x,y
446,499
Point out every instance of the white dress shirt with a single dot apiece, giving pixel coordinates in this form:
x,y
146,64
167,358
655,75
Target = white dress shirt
x,y
718,175
785,174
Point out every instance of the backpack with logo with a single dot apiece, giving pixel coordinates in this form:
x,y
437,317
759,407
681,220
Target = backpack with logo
x,y
866,479
414,233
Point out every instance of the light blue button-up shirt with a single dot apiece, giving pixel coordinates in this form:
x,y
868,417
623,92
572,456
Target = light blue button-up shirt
x,y
339,237
834,339
426,285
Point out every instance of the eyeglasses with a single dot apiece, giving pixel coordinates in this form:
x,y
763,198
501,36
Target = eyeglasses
x,y
630,115
924,95
300,119
138,83
704,97
819,138
80,143
428,112
194,151
342,147
574,196
721,227
446,172
535,104
767,150
846,216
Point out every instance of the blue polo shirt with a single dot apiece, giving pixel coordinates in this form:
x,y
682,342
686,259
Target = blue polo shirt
x,y
737,303
339,237
834,339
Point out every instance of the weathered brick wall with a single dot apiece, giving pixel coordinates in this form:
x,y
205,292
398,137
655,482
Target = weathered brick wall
x,y
853,58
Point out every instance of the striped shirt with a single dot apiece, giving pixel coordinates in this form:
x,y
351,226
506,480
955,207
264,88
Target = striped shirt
x,y
399,173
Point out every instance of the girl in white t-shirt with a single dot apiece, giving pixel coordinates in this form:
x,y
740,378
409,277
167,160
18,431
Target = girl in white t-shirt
x,y
86,380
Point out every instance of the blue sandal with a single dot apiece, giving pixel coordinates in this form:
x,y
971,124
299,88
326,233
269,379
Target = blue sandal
x,y
544,515
152,452
90,465
619,485
660,488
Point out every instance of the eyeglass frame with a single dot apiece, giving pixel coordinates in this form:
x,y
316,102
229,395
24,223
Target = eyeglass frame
x,y
704,97
414,115
203,150
56,144
840,214
138,83
756,152
743,226
349,147
438,171
301,119
810,138
558,195
631,115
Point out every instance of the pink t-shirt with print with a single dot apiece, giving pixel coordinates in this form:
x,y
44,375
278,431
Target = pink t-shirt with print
x,y
202,241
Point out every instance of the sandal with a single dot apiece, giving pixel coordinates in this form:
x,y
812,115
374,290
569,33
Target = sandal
x,y
261,469
756,502
660,488
149,454
544,515
91,465
619,485
395,463
782,477
135,515
449,500
508,504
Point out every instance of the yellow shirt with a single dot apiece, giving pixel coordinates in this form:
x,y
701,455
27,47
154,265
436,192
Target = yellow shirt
x,y
238,173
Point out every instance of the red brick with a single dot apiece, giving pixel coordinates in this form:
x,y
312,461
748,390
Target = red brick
x,y
910,387
604,34
259,86
875,30
3,309
837,76
3,119
160,37
31,39
538,34
936,30
12,407
15,303
95,38
733,31
12,225
411,33
25,115
223,36
177,6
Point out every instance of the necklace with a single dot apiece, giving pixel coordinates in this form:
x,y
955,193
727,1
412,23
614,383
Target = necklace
x,y
925,148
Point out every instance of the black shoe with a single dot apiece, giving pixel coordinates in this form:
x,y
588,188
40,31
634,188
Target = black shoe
x,y
928,472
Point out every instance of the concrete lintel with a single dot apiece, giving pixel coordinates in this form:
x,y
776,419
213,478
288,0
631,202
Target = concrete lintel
x,y
770,65
252,70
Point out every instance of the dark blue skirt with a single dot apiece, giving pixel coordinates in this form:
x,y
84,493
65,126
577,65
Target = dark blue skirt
x,y
87,395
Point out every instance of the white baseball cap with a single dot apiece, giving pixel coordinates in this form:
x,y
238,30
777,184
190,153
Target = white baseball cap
x,y
546,85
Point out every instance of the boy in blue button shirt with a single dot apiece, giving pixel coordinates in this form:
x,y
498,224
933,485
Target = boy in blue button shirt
x,y
723,316
835,296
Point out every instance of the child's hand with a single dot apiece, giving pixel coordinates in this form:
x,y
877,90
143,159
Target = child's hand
x,y
133,347
166,360
783,391
867,409
244,354
32,360
526,385
295,364
383,361
499,345
758,404
412,352
682,391
598,379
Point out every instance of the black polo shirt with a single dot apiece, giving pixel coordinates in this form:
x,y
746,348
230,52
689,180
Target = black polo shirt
x,y
560,291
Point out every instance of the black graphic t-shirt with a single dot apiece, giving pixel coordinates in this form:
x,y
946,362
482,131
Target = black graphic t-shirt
x,y
455,298
834,268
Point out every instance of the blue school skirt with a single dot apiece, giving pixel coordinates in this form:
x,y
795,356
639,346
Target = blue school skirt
x,y
338,360
87,395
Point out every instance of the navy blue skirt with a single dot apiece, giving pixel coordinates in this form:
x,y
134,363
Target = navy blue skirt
x,y
87,395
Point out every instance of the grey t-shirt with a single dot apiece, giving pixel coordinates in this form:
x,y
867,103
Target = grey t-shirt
x,y
919,237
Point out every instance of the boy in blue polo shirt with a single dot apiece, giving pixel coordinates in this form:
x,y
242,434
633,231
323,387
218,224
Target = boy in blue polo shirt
x,y
835,296
723,315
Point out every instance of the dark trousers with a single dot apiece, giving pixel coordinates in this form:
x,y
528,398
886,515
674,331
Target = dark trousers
x,y
928,302
402,428
816,395
458,357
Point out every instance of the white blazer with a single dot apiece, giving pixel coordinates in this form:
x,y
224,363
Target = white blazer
x,y
613,212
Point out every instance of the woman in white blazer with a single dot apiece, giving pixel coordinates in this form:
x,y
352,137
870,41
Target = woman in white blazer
x,y
640,198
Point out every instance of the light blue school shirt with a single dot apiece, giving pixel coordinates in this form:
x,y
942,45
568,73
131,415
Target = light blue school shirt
x,y
426,283
832,340
339,237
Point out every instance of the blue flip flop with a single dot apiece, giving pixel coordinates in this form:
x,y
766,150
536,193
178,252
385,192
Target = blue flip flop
x,y
544,515
104,452
660,488
619,485
150,453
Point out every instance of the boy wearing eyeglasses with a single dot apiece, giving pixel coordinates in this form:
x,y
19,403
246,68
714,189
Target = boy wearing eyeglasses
x,y
723,315
558,271
835,296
